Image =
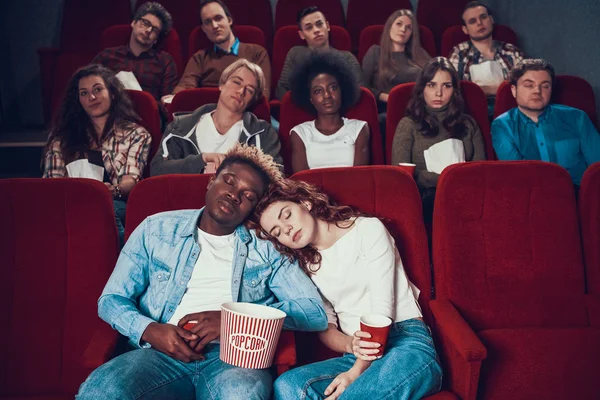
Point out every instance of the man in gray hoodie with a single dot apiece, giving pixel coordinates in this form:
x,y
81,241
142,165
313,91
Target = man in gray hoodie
x,y
197,142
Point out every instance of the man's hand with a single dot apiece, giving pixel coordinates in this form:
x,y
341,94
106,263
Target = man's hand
x,y
167,99
384,97
169,339
111,188
216,158
340,383
207,328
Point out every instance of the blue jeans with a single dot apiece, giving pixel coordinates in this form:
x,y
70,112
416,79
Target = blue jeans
x,y
120,207
409,369
150,374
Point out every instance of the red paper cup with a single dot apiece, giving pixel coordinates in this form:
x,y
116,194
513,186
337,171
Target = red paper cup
x,y
190,325
379,328
408,167
249,334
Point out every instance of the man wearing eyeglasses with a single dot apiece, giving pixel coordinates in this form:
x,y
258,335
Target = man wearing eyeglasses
x,y
154,69
205,67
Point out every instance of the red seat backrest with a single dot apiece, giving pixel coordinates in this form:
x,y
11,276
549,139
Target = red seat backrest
x,y
371,35
568,90
190,99
475,106
59,245
146,108
255,13
118,35
362,13
286,11
506,245
454,35
365,109
65,65
439,15
287,37
391,194
83,22
165,193
247,34
589,218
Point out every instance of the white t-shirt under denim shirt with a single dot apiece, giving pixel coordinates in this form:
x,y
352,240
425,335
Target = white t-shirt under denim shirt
x,y
210,284
362,273
210,140
336,150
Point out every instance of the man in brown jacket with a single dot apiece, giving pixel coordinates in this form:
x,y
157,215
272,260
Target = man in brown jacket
x,y
205,67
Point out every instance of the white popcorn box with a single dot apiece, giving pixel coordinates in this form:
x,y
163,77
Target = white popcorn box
x,y
249,334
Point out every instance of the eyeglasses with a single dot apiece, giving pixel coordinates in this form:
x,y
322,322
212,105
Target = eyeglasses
x,y
147,24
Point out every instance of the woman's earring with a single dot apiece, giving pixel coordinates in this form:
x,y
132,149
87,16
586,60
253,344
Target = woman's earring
x,y
307,204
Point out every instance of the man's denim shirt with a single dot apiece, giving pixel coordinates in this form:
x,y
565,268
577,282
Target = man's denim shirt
x,y
154,268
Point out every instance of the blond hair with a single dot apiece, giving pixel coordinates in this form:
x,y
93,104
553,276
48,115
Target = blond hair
x,y
255,69
255,158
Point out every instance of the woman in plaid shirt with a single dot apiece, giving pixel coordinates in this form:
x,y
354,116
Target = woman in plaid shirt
x,y
97,122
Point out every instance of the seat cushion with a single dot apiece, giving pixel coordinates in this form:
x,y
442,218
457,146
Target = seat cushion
x,y
534,363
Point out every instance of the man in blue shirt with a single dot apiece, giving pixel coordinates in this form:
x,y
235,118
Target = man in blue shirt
x,y
537,130
178,267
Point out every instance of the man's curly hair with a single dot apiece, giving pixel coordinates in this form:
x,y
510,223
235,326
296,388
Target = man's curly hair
x,y
323,62
252,156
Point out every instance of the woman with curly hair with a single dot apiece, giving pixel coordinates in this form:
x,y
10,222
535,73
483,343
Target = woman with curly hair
x,y
354,262
96,122
434,114
324,86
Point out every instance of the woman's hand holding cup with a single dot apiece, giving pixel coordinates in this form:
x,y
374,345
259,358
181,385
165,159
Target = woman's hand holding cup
x,y
364,350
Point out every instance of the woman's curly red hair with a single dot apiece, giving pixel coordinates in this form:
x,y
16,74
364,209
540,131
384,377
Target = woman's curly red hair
x,y
323,208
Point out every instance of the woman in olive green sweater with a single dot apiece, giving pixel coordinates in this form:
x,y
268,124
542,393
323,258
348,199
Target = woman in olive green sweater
x,y
435,113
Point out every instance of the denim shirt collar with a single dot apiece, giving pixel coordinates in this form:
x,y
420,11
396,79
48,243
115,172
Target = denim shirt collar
x,y
190,228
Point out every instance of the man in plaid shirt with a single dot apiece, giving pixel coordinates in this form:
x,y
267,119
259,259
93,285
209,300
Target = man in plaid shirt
x,y
154,69
483,60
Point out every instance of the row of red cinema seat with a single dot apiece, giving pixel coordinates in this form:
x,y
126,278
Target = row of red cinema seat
x,y
57,67
568,90
515,311
82,22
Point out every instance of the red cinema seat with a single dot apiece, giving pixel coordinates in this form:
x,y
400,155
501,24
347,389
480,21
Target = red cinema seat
x,y
286,11
568,90
146,108
438,15
391,194
371,35
510,308
361,14
82,23
59,245
365,109
255,13
589,218
118,35
454,35
475,106
246,34
190,99
179,192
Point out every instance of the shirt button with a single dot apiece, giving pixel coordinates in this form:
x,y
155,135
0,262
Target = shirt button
x,y
541,144
243,255
236,281
171,309
182,283
159,276
253,282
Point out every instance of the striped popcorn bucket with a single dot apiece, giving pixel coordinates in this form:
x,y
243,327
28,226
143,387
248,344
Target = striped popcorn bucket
x,y
249,334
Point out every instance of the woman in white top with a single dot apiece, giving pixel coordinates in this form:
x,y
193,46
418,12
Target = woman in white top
x,y
354,262
324,86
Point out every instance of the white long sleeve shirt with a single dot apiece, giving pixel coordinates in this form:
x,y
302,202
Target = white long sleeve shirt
x,y
362,273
